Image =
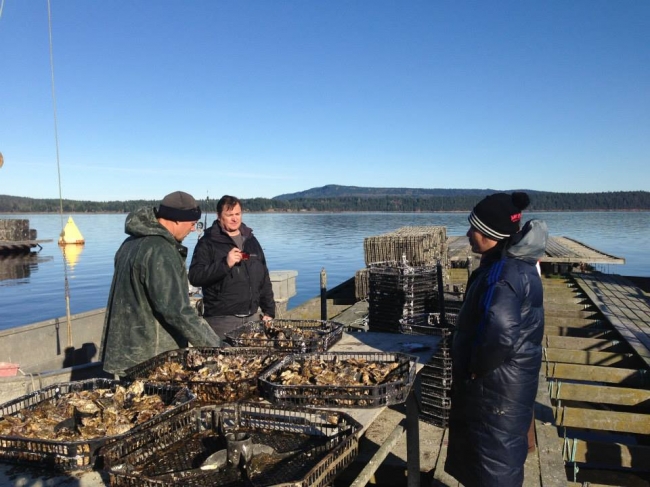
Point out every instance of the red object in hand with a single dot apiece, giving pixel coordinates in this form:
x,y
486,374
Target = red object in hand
x,y
244,256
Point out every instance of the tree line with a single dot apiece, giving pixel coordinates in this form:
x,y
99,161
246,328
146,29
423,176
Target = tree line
x,y
540,201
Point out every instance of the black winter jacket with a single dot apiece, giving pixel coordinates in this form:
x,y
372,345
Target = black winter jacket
x,y
239,290
496,358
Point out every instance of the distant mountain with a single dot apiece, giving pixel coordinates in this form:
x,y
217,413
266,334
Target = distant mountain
x,y
338,191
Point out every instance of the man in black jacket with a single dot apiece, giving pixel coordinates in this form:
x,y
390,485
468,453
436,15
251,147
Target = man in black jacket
x,y
229,265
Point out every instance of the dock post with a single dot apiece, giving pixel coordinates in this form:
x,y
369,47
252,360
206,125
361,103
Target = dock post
x,y
412,441
323,294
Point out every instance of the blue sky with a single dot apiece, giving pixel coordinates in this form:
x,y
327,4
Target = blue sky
x,y
261,98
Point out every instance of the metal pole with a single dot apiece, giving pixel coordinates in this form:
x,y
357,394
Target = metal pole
x,y
323,294
441,295
412,441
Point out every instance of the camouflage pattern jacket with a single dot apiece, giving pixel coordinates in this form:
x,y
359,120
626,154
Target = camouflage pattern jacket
x,y
149,310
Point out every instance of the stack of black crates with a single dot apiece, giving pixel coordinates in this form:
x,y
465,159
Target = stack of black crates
x,y
435,380
398,294
404,284
401,280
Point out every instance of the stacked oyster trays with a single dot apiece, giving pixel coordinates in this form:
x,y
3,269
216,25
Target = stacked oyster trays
x,y
429,324
288,336
398,293
215,375
435,377
64,426
421,246
343,379
237,445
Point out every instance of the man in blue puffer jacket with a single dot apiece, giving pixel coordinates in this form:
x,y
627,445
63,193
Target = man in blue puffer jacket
x,y
496,349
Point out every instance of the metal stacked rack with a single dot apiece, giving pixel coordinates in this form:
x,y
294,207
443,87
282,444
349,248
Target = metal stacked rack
x,y
435,385
399,293
422,246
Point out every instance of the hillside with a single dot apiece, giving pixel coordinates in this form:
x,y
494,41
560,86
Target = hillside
x,y
334,198
338,191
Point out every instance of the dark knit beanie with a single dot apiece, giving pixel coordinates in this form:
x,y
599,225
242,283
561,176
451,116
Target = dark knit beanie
x,y
497,216
180,207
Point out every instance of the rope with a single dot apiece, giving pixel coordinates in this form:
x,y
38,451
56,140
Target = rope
x,y
58,168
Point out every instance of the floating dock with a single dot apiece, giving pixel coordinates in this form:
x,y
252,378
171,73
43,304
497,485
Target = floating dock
x,y
562,254
17,237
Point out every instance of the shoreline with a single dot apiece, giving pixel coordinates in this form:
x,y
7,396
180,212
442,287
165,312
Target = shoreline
x,y
328,212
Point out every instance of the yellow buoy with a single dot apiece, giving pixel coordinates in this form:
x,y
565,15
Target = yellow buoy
x,y
71,253
71,234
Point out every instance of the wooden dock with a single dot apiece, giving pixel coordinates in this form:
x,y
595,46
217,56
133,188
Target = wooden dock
x,y
21,246
597,367
17,237
592,411
562,253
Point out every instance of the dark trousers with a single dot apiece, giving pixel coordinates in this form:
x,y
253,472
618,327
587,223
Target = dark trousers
x,y
225,324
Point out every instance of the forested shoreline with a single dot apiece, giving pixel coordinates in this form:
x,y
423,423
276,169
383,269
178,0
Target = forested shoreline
x,y
540,201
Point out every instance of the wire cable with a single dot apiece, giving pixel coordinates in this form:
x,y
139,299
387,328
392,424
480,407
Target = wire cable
x,y
58,168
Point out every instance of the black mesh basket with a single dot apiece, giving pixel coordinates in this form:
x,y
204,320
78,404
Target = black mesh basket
x,y
80,454
288,336
242,383
429,324
311,448
393,389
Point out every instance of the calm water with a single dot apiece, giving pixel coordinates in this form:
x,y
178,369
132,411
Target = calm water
x,y
33,289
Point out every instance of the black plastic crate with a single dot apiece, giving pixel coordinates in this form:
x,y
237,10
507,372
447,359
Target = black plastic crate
x,y
288,336
437,383
437,396
392,390
433,372
430,324
435,390
242,384
78,454
169,454
439,419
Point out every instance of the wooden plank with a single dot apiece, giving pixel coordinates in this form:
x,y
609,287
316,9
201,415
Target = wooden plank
x,y
591,344
620,396
609,455
593,373
570,331
573,313
574,322
602,420
549,444
624,306
586,357
440,477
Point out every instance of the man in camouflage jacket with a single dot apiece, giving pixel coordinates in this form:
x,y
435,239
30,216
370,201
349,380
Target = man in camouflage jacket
x,y
149,310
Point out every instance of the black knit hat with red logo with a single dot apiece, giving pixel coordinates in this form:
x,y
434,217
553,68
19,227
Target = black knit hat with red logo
x,y
497,216
180,207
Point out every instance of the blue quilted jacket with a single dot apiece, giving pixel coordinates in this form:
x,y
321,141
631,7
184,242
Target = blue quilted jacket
x,y
496,358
